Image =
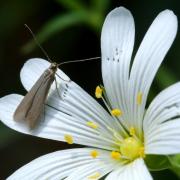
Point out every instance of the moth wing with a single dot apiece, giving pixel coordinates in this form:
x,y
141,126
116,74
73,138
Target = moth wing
x,y
37,106
27,101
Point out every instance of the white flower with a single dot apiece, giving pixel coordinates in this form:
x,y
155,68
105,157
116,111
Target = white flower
x,y
119,141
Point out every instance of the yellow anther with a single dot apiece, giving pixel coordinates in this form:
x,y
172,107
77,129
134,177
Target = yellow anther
x,y
116,112
98,92
142,152
68,138
115,155
95,176
92,124
132,131
139,98
94,153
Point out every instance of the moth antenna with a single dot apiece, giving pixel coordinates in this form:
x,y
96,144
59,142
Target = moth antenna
x,y
46,54
79,60
36,41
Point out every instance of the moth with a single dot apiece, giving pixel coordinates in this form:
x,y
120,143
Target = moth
x,y
31,106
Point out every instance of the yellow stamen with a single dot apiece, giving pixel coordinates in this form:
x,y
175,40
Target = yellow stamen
x,y
132,131
92,124
68,138
141,152
116,112
115,155
139,98
98,92
95,176
94,153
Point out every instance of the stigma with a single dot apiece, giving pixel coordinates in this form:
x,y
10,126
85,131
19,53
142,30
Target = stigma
x,y
132,148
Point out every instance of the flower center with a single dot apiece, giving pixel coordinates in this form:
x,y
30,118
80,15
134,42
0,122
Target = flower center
x,y
131,148
129,145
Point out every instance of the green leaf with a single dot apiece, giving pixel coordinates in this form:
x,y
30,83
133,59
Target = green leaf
x,y
157,162
95,21
100,5
165,77
175,160
175,164
58,24
72,4
97,14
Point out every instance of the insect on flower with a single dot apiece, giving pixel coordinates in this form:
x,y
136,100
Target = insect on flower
x,y
117,141
31,107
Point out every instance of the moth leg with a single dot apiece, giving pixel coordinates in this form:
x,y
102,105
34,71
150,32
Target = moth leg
x,y
57,87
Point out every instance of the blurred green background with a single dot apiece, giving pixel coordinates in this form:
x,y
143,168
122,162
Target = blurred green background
x,y
67,29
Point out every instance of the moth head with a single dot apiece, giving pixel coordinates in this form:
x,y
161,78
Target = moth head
x,y
54,66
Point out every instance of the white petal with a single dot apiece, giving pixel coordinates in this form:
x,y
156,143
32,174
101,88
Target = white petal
x,y
60,164
165,139
159,126
151,53
117,41
137,170
165,106
54,125
74,100
98,169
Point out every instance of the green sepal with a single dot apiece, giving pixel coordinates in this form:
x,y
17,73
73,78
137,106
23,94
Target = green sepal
x,y
175,164
72,5
157,162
